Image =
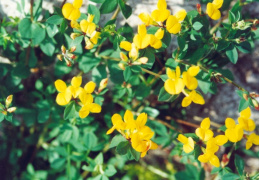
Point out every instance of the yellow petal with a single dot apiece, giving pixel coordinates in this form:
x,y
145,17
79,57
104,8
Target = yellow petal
x,y
86,98
183,139
145,133
63,98
60,85
160,15
145,18
153,145
208,135
141,41
125,45
89,87
77,3
189,147
180,15
203,158
246,113
256,139
75,14
67,9
174,87
205,124
95,108
230,123
154,42
194,70
76,81
173,25
177,72
90,18
84,112
214,160
247,124
200,133
84,25
142,31
198,99
170,73
110,130
217,3
74,24
213,12
159,33
248,144
211,146
221,140
190,81
118,122
186,101
94,37
141,120
161,4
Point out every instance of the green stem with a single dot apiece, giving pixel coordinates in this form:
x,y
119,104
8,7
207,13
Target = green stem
x,y
116,13
31,2
68,162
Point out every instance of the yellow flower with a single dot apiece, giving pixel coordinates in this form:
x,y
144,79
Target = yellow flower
x,y
146,19
161,13
252,139
203,132
188,77
141,141
193,97
155,40
209,157
142,39
87,26
117,124
233,132
174,84
64,96
173,24
244,121
71,11
188,143
213,9
214,143
88,105
75,88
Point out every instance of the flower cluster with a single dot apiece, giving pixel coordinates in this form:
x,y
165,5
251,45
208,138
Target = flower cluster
x,y
86,27
175,84
162,14
83,96
233,133
135,131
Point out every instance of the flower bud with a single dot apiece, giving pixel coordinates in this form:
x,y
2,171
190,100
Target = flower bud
x,y
72,49
11,110
60,57
4,112
8,101
245,96
256,104
198,6
103,84
63,49
143,60
88,43
72,56
75,35
122,66
123,57
225,160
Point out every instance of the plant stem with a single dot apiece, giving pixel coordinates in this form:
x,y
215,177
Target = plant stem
x,y
31,2
116,13
68,162
150,72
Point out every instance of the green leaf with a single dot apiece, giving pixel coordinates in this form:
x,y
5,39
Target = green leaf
x,y
243,105
90,140
134,153
116,140
125,9
52,30
32,58
39,85
197,26
95,11
151,111
123,147
240,164
87,62
99,159
70,110
149,53
108,6
24,28
1,117
232,54
98,1
110,170
230,176
55,19
43,111
165,96
48,46
58,163
231,17
127,73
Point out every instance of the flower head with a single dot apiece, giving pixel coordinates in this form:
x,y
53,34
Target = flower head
x,y
193,97
234,132
189,77
161,13
71,11
203,132
174,84
213,9
209,157
155,40
142,39
188,143
252,139
173,24
64,96
245,121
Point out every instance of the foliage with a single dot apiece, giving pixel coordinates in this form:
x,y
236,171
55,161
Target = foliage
x,y
133,83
